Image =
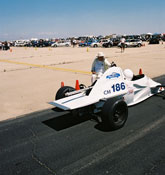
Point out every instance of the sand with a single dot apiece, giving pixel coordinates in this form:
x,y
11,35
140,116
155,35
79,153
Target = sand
x,y
25,88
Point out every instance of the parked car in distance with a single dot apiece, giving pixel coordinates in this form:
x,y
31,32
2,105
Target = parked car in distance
x,y
108,44
86,43
1,45
21,43
132,43
154,40
61,44
96,44
115,41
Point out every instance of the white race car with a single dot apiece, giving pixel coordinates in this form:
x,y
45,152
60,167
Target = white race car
x,y
109,96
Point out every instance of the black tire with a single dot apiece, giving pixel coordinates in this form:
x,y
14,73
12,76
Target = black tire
x,y
67,45
82,86
95,45
139,45
62,91
114,114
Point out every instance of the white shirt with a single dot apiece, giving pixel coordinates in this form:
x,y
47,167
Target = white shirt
x,y
122,40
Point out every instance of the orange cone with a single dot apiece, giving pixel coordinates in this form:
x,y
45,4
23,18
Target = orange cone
x,y
11,50
140,71
62,84
77,87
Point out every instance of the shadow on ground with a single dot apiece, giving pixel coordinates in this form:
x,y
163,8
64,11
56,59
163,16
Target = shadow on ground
x,y
68,120
65,121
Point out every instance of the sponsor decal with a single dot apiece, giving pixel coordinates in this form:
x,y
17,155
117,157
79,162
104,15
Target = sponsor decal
x,y
106,92
113,75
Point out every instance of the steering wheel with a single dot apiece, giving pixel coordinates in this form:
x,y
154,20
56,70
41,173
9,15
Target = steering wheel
x,y
113,64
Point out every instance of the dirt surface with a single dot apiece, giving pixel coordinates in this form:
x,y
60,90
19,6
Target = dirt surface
x,y
30,77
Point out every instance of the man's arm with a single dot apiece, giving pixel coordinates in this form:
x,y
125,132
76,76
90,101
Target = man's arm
x,y
93,67
107,63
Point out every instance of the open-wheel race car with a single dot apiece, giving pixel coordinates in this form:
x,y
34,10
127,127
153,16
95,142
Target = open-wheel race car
x,y
109,96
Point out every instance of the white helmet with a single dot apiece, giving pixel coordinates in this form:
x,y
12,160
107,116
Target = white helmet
x,y
128,74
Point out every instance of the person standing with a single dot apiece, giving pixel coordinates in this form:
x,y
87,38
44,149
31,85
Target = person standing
x,y
122,41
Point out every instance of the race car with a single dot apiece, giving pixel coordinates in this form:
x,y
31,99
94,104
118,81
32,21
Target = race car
x,y
109,96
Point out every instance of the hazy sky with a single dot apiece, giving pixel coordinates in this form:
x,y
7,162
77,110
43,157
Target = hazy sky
x,y
23,19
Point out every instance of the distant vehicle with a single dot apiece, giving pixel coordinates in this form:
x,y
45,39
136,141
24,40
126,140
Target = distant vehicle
x,y
5,45
61,44
132,37
155,39
96,44
108,44
100,43
21,43
163,37
1,45
40,43
132,43
86,43
115,41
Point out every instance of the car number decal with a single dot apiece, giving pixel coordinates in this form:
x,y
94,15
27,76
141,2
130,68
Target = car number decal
x,y
118,87
115,88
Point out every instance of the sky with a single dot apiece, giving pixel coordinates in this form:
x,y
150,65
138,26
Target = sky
x,y
25,19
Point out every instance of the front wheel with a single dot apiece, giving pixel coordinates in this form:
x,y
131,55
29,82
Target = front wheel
x,y
62,91
114,114
139,45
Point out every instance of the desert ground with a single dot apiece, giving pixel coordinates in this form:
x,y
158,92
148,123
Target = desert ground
x,y
30,77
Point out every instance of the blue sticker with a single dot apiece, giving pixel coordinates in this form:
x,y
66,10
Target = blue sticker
x,y
113,75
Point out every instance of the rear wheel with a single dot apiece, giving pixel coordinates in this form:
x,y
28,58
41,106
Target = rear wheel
x,y
114,114
139,45
62,91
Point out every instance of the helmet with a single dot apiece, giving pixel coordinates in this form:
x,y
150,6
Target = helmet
x,y
128,74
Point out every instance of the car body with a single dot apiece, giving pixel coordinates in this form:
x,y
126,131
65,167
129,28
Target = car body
x,y
21,43
61,44
86,43
99,43
96,44
132,43
1,45
5,45
108,44
115,41
112,91
155,39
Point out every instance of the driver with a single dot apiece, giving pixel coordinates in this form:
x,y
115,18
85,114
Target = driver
x,y
99,66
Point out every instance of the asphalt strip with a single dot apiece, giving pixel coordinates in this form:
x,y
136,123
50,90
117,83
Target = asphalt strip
x,y
96,157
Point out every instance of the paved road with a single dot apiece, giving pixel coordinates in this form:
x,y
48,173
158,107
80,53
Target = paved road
x,y
51,142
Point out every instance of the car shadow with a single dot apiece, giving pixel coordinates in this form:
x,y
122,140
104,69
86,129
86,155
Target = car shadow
x,y
65,121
